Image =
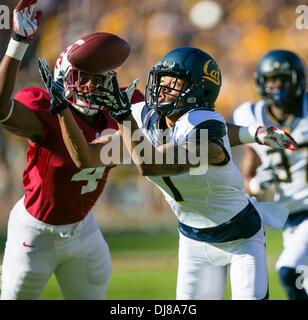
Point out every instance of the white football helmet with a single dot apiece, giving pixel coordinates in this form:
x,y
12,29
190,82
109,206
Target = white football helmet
x,y
70,77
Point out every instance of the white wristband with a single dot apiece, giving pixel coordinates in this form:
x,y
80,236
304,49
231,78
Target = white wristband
x,y
247,134
16,49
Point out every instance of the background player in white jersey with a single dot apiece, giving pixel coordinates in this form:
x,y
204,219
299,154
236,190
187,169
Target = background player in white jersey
x,y
51,229
281,81
219,227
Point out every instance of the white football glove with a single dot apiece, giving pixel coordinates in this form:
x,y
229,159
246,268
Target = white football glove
x,y
264,178
25,21
275,138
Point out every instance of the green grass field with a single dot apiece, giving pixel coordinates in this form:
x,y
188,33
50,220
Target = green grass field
x,y
145,267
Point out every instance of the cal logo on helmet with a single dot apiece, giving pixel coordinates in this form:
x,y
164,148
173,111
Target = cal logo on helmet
x,y
212,75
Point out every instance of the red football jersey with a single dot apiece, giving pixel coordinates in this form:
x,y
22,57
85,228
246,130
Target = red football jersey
x,y
57,192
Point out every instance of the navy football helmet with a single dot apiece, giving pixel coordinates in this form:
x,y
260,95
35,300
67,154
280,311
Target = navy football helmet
x,y
282,63
201,81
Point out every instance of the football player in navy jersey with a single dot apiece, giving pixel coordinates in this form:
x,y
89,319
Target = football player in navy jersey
x,y
220,227
281,82
52,229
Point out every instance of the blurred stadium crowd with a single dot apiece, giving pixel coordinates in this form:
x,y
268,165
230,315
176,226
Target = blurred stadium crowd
x,y
240,33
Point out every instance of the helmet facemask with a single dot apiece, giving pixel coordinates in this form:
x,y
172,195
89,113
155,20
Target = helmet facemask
x,y
78,89
290,69
286,95
154,89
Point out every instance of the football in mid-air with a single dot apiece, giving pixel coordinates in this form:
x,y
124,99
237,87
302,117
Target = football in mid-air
x,y
98,52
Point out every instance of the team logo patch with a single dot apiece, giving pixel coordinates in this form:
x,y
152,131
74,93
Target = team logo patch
x,y
212,75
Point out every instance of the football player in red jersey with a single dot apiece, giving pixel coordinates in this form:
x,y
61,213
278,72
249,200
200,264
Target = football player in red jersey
x,y
51,229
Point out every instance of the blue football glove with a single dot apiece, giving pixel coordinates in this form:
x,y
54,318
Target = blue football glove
x,y
55,88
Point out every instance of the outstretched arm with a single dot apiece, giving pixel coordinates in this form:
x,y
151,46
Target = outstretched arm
x,y
14,116
166,159
83,154
264,135
153,161
233,135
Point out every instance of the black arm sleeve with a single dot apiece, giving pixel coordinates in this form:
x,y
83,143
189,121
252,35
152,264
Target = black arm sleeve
x,y
216,131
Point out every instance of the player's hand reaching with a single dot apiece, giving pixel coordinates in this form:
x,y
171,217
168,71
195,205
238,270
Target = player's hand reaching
x,y
275,138
117,102
25,24
55,88
25,21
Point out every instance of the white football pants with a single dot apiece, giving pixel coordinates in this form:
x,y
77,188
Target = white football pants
x,y
202,271
77,254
